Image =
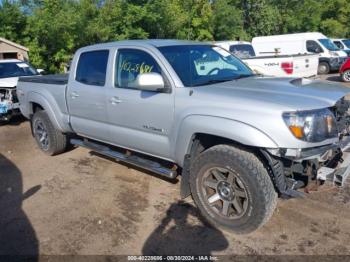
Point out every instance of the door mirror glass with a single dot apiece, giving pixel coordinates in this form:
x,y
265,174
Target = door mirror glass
x,y
317,50
149,82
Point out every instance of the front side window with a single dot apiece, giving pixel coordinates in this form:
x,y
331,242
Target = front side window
x,y
242,50
130,63
313,47
92,67
16,69
339,44
327,43
347,42
204,64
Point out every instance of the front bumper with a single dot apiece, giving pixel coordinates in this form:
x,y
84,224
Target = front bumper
x,y
8,109
330,162
336,62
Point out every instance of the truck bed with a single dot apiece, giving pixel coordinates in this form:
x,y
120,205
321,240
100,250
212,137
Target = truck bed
x,y
58,79
52,90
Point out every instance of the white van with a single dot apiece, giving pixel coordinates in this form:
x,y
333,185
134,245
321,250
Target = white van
x,y
270,65
343,44
330,56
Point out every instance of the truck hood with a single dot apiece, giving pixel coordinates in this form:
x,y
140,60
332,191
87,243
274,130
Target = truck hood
x,y
8,82
277,93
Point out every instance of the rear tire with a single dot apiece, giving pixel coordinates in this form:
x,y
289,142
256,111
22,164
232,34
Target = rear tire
x,y
49,139
323,68
232,189
345,76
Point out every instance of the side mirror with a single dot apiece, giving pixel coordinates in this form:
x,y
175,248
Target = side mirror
x,y
40,71
149,82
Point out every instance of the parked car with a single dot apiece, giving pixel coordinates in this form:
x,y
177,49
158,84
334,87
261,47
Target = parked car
x,y
273,65
10,70
177,107
345,71
343,44
330,56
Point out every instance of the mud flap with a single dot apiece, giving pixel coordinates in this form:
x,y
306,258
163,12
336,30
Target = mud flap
x,y
185,189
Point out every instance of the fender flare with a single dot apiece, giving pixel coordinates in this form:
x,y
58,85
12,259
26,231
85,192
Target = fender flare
x,y
34,97
234,130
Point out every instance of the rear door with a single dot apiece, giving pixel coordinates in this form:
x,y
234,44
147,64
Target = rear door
x,y
139,120
86,95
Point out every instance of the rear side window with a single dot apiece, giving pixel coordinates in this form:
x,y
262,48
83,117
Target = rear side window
x,y
92,67
242,50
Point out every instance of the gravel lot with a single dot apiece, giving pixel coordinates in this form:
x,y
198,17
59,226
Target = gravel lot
x,y
82,203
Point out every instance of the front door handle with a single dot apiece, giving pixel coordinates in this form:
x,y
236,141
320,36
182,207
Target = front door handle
x,y
74,95
115,100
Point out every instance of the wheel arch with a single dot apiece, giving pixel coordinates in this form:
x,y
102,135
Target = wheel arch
x,y
219,130
37,101
192,142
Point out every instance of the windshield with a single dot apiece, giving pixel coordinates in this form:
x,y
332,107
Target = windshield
x,y
15,69
242,50
346,42
204,64
327,43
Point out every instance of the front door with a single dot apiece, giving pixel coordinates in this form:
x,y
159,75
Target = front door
x,y
139,120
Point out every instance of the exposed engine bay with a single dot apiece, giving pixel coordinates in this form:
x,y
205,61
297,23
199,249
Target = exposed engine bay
x,y
9,104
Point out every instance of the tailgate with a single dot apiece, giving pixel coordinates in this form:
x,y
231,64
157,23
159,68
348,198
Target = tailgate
x,y
305,65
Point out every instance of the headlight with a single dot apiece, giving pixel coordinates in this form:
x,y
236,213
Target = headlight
x,y
311,126
332,53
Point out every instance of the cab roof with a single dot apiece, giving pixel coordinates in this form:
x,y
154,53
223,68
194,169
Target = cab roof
x,y
148,42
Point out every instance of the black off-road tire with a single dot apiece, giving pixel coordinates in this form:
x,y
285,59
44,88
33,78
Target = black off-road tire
x,y
323,68
261,195
57,141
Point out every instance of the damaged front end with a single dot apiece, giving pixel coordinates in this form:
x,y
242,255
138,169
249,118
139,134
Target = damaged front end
x,y
292,169
9,104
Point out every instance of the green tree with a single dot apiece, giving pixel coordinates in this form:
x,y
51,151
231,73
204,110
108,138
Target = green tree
x,y
227,21
260,17
51,34
12,21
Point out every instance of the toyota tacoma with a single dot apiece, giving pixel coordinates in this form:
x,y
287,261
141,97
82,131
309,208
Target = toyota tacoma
x,y
238,140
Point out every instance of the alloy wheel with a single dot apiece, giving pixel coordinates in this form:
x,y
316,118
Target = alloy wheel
x,y
346,76
41,134
225,193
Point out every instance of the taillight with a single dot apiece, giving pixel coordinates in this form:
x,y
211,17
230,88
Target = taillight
x,y
287,67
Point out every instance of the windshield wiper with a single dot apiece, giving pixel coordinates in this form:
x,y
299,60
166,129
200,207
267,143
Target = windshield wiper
x,y
244,76
213,81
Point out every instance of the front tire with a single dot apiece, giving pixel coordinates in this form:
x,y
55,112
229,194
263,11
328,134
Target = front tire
x,y
346,76
232,189
49,139
323,68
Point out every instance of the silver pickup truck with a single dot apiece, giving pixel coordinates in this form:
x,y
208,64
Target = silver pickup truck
x,y
238,140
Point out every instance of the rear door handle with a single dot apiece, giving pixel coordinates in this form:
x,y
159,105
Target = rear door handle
x,y
115,100
74,95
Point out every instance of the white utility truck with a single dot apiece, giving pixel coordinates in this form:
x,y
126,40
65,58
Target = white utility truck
x,y
330,56
305,65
